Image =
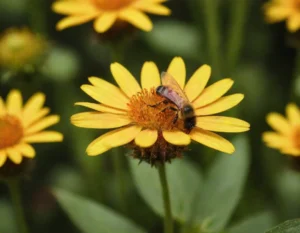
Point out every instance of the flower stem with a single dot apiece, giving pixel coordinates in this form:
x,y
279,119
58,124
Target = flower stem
x,y
168,223
295,84
14,188
236,31
119,171
213,34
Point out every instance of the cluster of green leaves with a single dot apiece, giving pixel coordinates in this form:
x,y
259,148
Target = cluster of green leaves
x,y
201,202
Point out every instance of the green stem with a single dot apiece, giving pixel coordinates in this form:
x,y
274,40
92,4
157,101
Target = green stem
x,y
14,188
168,223
37,16
295,84
236,32
119,171
213,34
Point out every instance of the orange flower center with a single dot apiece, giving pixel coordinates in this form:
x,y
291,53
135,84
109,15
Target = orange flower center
x,y
11,131
296,4
152,111
296,137
112,4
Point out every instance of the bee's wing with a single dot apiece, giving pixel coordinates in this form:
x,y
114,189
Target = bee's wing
x,y
169,81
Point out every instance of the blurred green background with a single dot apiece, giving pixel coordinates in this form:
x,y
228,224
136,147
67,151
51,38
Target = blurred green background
x,y
229,35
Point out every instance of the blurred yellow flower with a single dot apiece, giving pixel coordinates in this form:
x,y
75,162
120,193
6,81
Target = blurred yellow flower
x,y
280,10
287,136
22,125
136,113
20,47
106,13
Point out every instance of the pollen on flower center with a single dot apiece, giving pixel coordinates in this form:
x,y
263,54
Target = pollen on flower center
x,y
296,137
152,111
11,131
296,4
112,4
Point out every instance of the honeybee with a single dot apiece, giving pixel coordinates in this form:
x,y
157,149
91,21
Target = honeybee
x,y
171,90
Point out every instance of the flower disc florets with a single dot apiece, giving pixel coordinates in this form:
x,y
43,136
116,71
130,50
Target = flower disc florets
x,y
152,111
11,131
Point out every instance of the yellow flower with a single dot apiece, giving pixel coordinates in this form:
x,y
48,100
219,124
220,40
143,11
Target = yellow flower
x,y
287,137
106,13
143,117
280,10
20,47
22,125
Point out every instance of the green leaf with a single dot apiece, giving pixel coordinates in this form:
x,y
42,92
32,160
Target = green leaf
x,y
258,223
223,187
290,226
175,38
91,217
184,182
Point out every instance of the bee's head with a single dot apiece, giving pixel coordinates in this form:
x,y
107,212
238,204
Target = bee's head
x,y
187,111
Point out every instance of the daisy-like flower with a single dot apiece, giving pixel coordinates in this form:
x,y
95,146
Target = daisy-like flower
x,y
280,10
20,47
22,125
106,13
146,121
287,136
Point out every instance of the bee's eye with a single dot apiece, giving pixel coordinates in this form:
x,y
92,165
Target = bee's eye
x,y
187,109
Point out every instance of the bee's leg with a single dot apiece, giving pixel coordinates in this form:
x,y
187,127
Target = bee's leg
x,y
171,108
161,102
175,119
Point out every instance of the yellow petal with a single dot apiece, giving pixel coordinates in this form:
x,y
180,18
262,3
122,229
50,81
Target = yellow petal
x,y
136,18
152,8
32,106
106,93
2,107
98,120
14,102
14,155
222,124
275,140
44,136
290,151
293,114
278,123
177,70
159,1
73,8
293,22
213,92
3,157
42,124
36,116
26,150
197,82
112,139
125,80
178,138
276,13
74,21
212,140
221,105
105,21
146,138
150,76
101,108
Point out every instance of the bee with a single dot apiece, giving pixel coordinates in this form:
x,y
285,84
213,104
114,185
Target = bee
x,y
171,90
